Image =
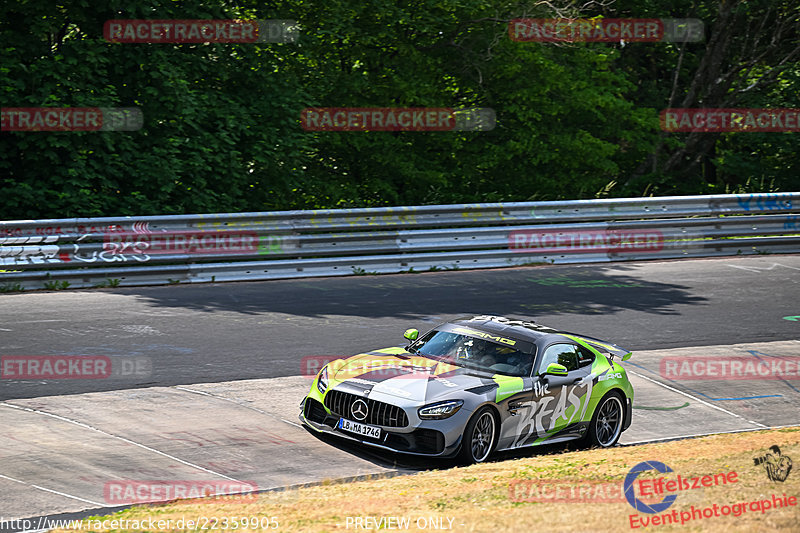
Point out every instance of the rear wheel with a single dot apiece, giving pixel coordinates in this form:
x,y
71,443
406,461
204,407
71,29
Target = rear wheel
x,y
479,438
606,425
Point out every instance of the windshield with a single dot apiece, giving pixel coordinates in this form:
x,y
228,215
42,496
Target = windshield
x,y
475,353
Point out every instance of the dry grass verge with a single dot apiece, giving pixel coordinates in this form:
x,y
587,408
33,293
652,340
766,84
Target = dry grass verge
x,y
478,498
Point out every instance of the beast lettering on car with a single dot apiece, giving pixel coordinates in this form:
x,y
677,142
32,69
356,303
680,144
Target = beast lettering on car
x,y
542,415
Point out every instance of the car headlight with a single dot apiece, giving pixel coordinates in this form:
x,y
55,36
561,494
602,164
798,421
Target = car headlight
x,y
322,380
438,411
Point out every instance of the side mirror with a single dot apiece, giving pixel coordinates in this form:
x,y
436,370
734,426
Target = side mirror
x,y
554,369
411,334
626,356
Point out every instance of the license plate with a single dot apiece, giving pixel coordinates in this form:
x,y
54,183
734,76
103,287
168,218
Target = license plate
x,y
361,429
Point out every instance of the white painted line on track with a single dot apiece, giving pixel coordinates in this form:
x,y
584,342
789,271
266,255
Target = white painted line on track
x,y
224,398
39,321
682,437
123,439
762,269
237,402
718,408
51,490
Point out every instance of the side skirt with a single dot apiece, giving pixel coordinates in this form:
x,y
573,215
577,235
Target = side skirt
x,y
573,432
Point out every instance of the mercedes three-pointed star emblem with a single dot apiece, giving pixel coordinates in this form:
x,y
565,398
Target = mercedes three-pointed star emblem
x,y
359,410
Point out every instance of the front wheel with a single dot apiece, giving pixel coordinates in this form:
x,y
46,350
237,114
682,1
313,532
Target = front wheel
x,y
479,438
606,425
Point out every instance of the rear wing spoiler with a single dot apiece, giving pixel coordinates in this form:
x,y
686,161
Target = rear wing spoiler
x,y
601,346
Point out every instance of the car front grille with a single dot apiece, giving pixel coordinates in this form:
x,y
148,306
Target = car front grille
x,y
378,413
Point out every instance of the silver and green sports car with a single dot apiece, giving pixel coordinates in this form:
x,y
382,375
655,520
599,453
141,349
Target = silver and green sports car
x,y
472,386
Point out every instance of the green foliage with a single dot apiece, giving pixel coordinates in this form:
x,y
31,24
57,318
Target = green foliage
x,y
55,285
216,116
221,121
12,287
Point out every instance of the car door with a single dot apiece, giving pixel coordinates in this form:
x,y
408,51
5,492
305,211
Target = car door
x,y
561,401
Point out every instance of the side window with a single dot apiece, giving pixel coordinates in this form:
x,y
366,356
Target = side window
x,y
563,354
585,357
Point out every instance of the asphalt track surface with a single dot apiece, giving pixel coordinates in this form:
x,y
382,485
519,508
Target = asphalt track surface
x,y
223,332
221,399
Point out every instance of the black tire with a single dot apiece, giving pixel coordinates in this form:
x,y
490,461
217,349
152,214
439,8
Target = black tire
x,y
606,425
480,437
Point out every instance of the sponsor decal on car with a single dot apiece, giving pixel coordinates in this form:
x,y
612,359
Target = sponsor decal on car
x,y
544,413
483,335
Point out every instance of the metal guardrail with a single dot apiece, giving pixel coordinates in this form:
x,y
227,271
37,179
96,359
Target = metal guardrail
x,y
150,250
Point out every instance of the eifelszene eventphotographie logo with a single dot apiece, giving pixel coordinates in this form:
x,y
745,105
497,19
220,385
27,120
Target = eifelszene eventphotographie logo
x,y
776,464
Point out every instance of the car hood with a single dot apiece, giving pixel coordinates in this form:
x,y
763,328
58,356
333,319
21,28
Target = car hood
x,y
412,377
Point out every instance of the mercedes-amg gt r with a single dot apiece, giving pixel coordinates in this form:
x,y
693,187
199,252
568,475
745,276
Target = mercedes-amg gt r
x,y
472,386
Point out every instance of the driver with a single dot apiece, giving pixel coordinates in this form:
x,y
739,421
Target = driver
x,y
509,356
465,350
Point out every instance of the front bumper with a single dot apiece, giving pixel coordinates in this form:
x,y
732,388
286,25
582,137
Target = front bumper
x,y
414,441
